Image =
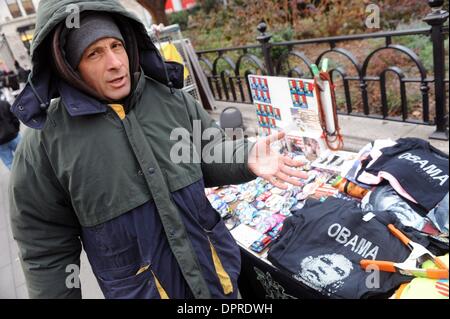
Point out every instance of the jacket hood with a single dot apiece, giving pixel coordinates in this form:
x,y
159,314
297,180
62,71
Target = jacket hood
x,y
45,83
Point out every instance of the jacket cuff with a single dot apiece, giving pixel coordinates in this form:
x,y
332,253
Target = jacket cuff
x,y
245,169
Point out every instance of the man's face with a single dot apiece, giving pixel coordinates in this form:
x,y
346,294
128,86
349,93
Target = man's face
x,y
325,269
104,67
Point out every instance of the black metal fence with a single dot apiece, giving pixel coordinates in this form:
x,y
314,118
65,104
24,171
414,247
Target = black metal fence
x,y
363,90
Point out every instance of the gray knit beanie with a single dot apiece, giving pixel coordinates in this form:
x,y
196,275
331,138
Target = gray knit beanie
x,y
93,26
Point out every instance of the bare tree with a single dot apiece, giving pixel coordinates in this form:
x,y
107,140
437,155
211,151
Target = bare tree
x,y
156,9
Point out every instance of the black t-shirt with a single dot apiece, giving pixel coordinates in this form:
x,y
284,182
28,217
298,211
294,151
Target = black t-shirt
x,y
323,243
421,169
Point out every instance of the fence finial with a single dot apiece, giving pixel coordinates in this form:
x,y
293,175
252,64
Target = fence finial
x,y
262,27
266,47
436,4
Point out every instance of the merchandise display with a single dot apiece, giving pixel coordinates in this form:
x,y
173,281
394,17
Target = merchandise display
x,y
361,225
345,226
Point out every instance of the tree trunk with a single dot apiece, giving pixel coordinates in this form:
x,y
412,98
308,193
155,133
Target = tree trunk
x,y
294,13
156,9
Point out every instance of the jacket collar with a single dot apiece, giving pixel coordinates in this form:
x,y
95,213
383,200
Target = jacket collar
x,y
78,103
37,98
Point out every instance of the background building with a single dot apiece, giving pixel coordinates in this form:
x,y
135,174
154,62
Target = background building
x,y
17,20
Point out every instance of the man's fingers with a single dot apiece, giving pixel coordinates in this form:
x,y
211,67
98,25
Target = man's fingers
x,y
272,180
274,137
286,178
289,161
293,172
265,142
268,140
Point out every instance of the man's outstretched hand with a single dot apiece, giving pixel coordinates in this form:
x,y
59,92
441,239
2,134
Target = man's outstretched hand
x,y
274,167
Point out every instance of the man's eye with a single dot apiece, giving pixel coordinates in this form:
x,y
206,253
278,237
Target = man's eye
x,y
117,45
92,54
326,260
339,271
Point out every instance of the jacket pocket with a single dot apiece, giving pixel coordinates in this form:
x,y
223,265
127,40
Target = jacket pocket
x,y
224,278
111,246
162,292
119,284
225,255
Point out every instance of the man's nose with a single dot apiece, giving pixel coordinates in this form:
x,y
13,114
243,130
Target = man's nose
x,y
112,60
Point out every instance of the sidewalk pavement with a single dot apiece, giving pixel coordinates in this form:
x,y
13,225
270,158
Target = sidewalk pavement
x,y
12,280
356,131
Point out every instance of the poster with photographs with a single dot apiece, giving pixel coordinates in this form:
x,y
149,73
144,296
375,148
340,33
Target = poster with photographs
x,y
291,105
285,103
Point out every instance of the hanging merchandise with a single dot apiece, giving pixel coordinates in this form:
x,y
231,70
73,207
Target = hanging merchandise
x,y
173,47
322,245
170,53
326,100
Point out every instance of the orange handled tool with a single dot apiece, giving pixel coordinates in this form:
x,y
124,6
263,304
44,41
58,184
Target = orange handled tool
x,y
397,233
379,264
399,267
410,267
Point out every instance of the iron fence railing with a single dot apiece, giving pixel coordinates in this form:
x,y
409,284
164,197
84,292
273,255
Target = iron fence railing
x,y
227,72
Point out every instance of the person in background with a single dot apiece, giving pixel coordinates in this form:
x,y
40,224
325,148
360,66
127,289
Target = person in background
x,y
9,133
22,74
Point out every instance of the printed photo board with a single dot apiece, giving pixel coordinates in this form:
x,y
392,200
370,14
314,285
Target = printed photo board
x,y
291,105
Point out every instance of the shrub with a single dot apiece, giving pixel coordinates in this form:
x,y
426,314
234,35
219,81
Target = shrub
x,y
208,5
181,18
286,34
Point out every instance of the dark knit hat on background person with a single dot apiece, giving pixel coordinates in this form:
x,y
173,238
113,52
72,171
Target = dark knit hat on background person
x,y
93,27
